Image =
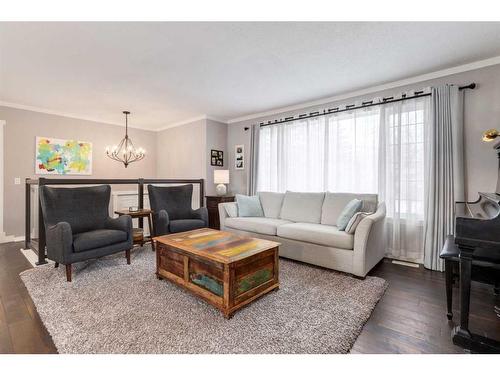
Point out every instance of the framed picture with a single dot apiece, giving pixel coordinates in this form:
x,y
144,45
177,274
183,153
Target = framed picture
x,y
217,158
63,156
239,157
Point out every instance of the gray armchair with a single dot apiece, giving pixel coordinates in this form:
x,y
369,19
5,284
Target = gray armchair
x,y
172,211
78,227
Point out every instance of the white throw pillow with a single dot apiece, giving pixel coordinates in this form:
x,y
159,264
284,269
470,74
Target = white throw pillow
x,y
231,209
335,202
355,220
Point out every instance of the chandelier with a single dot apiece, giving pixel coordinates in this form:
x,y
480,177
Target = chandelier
x,y
125,151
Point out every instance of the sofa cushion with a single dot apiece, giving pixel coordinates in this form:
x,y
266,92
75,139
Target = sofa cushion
x,y
97,238
249,206
271,203
184,225
262,225
320,234
334,203
302,207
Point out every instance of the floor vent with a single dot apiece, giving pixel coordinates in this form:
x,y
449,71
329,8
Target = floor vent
x,y
407,264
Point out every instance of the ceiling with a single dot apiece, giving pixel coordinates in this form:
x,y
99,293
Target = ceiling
x,y
169,72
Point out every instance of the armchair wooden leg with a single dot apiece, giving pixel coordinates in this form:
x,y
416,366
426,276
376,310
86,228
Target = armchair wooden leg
x,y
127,254
56,265
68,272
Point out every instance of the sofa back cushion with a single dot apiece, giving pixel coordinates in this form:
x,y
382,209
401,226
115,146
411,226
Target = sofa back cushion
x,y
271,203
334,203
302,207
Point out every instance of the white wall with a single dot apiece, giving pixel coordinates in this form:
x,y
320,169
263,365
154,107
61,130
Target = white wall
x,y
2,128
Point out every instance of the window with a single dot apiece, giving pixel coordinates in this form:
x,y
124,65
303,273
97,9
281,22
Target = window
x,y
378,149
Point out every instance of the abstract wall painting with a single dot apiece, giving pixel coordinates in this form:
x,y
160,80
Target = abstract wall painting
x,y
63,156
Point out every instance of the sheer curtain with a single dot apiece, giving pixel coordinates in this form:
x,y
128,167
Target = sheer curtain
x,y
379,149
401,175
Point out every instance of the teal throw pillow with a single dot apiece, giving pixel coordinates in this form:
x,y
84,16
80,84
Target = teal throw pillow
x,y
348,212
249,206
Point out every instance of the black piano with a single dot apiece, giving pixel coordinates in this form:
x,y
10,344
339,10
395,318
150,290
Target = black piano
x,y
477,240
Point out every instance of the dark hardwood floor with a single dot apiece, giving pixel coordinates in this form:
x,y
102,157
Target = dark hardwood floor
x,y
410,318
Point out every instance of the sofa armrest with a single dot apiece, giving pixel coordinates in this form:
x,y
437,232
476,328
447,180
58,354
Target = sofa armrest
x,y
59,239
161,222
201,214
369,242
123,223
223,215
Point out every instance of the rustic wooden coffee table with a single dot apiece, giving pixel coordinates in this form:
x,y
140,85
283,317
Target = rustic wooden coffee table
x,y
226,270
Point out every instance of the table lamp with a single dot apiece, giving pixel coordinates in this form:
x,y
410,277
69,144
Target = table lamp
x,y
221,177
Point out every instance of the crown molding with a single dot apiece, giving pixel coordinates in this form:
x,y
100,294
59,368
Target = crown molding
x,y
78,117
182,122
386,86
65,114
189,121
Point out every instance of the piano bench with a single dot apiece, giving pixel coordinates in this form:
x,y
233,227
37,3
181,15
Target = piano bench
x,y
481,271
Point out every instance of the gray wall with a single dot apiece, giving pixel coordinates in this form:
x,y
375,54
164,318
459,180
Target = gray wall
x,y
184,151
19,155
482,111
216,140
181,151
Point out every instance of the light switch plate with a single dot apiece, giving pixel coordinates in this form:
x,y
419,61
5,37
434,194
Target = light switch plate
x,y
17,180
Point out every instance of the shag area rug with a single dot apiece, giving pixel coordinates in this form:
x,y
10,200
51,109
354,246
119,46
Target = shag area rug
x,y
112,307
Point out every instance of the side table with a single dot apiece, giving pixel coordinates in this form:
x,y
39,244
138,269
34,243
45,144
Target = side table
x,y
139,237
213,209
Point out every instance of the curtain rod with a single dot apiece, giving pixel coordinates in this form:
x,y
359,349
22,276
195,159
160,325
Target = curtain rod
x,y
417,94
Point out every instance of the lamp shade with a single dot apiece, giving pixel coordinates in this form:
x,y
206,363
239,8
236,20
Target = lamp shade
x,y
221,176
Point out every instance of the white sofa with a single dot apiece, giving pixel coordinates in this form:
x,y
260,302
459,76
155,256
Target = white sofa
x,y
305,225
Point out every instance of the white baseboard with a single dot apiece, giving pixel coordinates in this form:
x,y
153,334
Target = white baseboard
x,y
4,238
32,257
407,264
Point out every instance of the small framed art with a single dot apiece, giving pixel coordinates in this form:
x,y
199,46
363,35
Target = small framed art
x,y
239,157
217,158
